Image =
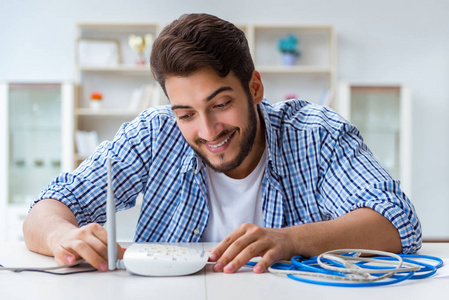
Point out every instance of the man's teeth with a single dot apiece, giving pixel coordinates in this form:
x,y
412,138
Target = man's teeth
x,y
220,144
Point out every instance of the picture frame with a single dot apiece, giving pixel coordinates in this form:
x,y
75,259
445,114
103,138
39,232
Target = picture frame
x,y
91,52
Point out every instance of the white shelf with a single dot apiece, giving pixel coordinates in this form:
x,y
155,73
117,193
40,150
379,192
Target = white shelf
x,y
144,70
290,26
106,112
116,26
294,70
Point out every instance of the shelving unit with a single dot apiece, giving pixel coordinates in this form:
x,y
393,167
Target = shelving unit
x,y
312,78
314,75
116,82
382,113
112,112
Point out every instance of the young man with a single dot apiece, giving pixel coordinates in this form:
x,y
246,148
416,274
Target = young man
x,y
220,163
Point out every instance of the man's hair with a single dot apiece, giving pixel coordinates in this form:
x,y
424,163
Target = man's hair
x,y
195,41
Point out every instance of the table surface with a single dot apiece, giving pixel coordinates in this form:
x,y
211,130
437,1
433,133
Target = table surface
x,y
205,284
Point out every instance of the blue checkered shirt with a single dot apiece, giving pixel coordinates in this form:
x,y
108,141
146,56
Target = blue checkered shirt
x,y
318,168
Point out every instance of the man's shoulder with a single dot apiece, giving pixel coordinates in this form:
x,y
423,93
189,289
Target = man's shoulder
x,y
156,122
155,118
302,115
158,112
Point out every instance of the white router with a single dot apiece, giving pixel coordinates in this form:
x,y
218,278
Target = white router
x,y
150,259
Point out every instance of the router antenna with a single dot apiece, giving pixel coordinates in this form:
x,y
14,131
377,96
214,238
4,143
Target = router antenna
x,y
110,216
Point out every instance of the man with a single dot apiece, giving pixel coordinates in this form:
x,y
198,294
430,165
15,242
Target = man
x,y
220,163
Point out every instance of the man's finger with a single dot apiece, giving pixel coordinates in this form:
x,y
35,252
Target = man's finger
x,y
98,246
222,247
86,252
120,251
267,260
63,256
238,254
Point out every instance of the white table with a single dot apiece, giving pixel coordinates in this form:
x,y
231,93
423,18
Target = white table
x,y
205,284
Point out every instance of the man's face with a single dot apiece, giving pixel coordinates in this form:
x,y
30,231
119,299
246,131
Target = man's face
x,y
218,120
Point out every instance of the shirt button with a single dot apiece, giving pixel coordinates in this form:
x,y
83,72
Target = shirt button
x,y
196,231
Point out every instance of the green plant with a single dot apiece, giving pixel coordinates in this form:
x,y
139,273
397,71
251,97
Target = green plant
x,y
289,44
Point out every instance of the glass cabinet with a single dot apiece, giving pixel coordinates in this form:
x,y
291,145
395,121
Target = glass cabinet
x,y
382,113
35,130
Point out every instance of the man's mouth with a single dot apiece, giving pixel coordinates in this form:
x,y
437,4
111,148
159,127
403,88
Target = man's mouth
x,y
221,143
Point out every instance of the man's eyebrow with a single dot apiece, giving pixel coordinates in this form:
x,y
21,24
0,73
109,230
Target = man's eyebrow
x,y
209,98
180,107
218,91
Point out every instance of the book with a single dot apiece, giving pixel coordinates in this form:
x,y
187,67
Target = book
x,y
86,142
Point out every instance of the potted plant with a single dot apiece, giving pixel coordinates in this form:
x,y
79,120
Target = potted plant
x,y
289,48
95,100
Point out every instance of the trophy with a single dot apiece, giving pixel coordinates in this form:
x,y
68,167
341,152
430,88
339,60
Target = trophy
x,y
139,44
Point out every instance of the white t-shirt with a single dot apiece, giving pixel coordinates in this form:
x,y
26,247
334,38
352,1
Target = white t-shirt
x,y
233,202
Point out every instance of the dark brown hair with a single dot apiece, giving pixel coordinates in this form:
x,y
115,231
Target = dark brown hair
x,y
195,41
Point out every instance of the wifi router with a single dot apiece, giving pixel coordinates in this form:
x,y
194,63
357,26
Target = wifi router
x,y
150,259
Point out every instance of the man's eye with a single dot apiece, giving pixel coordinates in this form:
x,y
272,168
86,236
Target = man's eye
x,y
184,117
222,104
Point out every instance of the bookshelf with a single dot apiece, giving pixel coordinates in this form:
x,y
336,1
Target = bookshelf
x,y
312,77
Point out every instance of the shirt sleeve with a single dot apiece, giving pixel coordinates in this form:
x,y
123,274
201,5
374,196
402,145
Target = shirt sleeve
x,y
352,178
84,190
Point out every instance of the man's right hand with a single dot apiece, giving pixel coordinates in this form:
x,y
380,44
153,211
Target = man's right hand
x,y
88,242
51,229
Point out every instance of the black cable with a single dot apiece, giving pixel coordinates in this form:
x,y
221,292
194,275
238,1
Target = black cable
x,y
46,270
53,273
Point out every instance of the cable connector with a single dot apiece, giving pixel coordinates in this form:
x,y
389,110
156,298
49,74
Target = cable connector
x,y
120,265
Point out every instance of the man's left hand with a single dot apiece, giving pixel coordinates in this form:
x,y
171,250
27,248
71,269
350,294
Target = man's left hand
x,y
249,241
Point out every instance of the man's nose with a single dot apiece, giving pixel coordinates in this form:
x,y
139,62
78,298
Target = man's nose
x,y
209,128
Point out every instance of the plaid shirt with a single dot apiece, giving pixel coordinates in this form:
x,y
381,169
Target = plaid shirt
x,y
318,168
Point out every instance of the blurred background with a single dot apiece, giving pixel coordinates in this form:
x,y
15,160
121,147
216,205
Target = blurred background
x,y
72,71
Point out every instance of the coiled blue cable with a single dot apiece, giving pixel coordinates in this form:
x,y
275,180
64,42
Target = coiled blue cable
x,y
311,267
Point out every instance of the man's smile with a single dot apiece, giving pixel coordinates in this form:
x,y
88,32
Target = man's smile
x,y
221,143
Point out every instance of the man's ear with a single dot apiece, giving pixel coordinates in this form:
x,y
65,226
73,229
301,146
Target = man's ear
x,y
256,87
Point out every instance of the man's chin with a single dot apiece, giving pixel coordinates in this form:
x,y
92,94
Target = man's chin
x,y
220,166
218,163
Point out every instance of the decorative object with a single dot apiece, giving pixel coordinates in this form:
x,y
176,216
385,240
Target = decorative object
x,y
96,100
97,52
289,49
140,44
290,96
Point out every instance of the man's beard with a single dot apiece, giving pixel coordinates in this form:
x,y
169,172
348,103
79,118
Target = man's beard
x,y
246,144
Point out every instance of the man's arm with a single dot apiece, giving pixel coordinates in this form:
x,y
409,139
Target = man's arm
x,y
51,229
363,228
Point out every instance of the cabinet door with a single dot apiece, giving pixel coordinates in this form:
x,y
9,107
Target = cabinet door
x,y
32,137
382,113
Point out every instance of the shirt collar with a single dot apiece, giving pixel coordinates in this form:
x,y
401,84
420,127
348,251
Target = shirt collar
x,y
273,155
190,162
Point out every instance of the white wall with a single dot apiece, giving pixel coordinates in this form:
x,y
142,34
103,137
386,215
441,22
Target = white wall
x,y
388,41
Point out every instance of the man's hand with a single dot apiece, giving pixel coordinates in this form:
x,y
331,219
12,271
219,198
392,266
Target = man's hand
x,y
51,229
362,228
249,241
88,242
